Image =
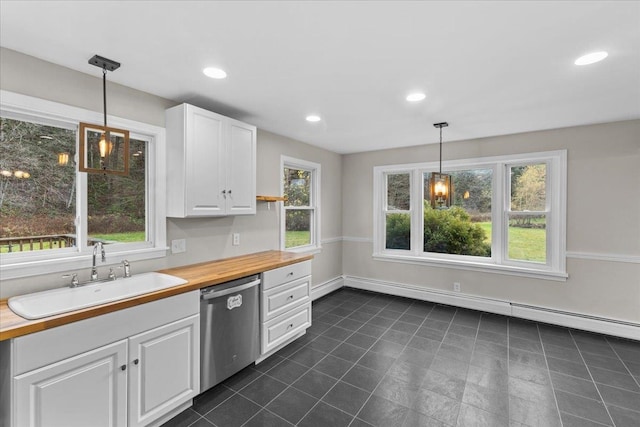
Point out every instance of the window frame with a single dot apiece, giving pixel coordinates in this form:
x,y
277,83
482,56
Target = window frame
x,y
25,264
314,204
555,267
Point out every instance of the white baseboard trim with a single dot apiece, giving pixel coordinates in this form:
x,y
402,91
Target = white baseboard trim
x,y
541,314
428,294
327,287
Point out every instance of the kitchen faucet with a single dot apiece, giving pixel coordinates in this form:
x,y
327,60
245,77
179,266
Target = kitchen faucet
x,y
94,270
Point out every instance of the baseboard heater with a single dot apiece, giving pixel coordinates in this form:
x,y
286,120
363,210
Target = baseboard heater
x,y
567,319
577,320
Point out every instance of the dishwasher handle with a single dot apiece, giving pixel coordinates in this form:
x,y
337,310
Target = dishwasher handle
x,y
212,293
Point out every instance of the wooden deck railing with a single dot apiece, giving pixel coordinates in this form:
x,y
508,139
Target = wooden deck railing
x,y
36,243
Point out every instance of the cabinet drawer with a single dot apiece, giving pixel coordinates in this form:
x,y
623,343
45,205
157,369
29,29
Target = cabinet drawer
x,y
285,274
280,299
280,329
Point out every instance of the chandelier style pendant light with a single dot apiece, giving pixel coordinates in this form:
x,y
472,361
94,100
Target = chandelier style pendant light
x,y
104,149
440,188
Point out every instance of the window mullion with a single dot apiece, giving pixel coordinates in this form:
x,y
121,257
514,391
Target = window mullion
x,y
501,187
417,229
82,225
416,212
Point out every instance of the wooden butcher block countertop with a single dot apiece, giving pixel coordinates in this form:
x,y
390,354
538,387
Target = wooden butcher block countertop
x,y
197,276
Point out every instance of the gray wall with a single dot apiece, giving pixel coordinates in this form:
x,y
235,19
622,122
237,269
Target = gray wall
x,y
603,221
207,238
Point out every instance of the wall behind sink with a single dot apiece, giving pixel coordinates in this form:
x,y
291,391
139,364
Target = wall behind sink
x,y
206,238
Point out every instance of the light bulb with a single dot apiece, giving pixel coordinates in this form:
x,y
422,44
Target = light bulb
x,y
102,146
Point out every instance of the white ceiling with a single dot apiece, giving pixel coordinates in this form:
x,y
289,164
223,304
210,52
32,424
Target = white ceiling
x,y
488,68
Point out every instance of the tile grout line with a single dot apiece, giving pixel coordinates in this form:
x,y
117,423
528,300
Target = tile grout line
x,y
467,376
592,380
625,365
553,389
266,373
310,368
354,363
388,328
403,349
426,316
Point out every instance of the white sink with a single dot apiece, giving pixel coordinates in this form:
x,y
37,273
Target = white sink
x,y
56,301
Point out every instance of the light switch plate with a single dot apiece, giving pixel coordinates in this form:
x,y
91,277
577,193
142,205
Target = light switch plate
x,y
178,246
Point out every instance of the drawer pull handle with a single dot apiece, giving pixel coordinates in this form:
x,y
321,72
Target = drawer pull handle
x,y
290,297
290,273
135,362
290,326
123,367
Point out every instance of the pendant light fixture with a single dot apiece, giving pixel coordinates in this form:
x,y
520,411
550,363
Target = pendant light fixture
x,y
104,149
440,188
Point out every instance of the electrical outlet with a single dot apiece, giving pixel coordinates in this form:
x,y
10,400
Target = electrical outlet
x,y
178,246
236,239
456,286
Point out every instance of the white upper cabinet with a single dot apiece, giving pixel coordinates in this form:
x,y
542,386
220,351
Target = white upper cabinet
x,y
211,164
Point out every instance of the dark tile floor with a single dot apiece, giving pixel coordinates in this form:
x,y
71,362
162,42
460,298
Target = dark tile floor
x,y
376,360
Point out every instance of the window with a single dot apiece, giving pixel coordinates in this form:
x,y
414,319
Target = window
x,y
301,219
507,215
37,186
116,204
398,211
52,214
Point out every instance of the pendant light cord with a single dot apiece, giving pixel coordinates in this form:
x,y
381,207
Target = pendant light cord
x,y
440,147
104,97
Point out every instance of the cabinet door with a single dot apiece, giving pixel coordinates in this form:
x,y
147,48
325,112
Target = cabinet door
x,y
204,163
164,369
85,390
241,168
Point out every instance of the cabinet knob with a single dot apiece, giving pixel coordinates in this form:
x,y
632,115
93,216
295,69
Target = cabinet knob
x,y
290,326
224,191
123,367
290,297
136,361
290,274
229,191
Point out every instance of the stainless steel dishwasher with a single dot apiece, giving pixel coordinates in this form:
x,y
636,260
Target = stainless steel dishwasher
x,y
229,329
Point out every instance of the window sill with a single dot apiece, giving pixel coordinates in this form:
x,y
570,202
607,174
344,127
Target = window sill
x,y
558,276
75,261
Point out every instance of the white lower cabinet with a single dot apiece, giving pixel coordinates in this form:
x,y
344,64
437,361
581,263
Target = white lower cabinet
x,y
285,310
163,368
89,389
60,378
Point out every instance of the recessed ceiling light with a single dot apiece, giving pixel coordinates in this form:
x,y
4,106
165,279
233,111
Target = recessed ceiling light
x,y
214,73
313,118
415,97
591,58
